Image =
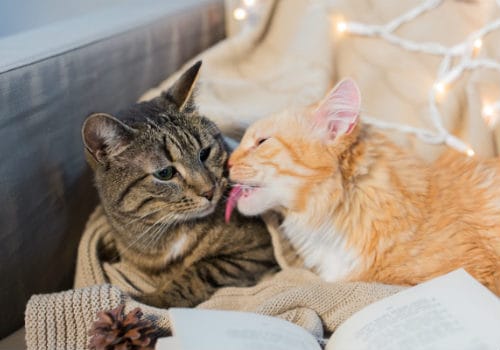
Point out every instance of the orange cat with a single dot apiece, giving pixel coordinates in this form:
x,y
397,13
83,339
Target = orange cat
x,y
358,207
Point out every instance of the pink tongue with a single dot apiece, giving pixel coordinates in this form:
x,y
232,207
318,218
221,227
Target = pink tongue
x,y
234,195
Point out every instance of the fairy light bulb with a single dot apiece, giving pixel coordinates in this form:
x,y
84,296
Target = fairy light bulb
x,y
249,3
488,111
490,115
440,87
478,43
470,152
239,14
341,27
476,46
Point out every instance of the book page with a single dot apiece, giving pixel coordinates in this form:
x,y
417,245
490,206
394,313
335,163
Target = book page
x,y
450,312
198,329
168,343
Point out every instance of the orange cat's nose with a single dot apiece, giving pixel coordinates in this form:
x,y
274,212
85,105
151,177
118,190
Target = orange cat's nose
x,y
229,164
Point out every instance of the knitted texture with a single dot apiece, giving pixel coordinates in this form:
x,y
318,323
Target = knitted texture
x,y
62,320
301,297
95,253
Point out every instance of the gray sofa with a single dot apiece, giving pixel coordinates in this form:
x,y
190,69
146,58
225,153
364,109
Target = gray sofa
x,y
51,78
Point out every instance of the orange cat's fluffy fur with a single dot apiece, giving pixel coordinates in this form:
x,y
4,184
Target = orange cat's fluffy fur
x,y
358,207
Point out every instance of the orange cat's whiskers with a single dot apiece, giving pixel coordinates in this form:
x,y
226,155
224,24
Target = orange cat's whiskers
x,y
248,186
243,172
358,207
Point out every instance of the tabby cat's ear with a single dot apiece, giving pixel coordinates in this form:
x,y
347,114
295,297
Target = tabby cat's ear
x,y
180,94
105,136
338,112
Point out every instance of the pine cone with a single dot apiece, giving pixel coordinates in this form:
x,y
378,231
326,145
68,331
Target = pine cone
x,y
115,331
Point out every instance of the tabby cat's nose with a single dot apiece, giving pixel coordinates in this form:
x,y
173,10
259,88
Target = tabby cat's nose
x,y
209,194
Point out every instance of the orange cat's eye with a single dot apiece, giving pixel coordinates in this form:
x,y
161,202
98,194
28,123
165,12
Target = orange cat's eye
x,y
261,141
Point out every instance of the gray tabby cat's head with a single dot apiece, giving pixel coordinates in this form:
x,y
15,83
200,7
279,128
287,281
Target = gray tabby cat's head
x,y
159,161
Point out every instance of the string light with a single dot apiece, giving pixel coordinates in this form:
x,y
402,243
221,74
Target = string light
x,y
239,14
490,113
341,27
249,3
478,43
447,73
440,87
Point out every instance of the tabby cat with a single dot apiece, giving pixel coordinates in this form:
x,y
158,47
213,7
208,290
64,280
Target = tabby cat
x,y
357,207
160,174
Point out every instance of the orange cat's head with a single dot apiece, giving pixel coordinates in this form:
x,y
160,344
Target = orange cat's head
x,y
282,158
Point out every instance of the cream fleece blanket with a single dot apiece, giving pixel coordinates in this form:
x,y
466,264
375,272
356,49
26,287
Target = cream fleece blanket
x,y
292,58
296,56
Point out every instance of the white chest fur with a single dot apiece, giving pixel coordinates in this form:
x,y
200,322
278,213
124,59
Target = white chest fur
x,y
176,249
323,249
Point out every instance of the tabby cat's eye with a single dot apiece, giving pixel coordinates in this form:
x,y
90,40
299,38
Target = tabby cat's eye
x,y
204,153
165,174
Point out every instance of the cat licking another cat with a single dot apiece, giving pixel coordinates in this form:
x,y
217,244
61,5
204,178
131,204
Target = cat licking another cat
x,y
357,207
160,173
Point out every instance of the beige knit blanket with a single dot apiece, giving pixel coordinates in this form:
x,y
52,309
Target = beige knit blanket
x,y
62,320
292,58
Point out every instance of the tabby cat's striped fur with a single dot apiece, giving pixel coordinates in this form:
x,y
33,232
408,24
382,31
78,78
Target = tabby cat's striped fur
x,y
159,172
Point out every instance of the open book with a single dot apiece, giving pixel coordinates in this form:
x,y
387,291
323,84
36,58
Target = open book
x,y
451,312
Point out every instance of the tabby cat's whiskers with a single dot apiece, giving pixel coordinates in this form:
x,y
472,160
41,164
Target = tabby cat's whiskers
x,y
156,165
143,217
143,234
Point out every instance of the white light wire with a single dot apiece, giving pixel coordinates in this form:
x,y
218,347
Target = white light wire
x,y
447,74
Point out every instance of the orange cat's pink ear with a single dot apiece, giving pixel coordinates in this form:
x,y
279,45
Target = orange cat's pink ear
x,y
338,112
